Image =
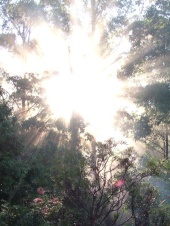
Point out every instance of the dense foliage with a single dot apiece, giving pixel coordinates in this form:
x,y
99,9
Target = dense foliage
x,y
56,173
65,183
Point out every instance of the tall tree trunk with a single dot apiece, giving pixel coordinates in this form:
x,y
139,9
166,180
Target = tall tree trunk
x,y
23,99
23,102
75,134
166,143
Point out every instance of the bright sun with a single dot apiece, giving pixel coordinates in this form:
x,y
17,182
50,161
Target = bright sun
x,y
84,82
94,98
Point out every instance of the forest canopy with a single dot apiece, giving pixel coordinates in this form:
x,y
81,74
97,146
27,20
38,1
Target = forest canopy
x,y
84,112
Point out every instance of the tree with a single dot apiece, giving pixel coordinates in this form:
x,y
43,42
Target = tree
x,y
11,146
150,126
92,182
149,37
148,68
155,99
96,191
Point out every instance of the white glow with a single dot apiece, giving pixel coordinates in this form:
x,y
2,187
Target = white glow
x,y
86,82
95,98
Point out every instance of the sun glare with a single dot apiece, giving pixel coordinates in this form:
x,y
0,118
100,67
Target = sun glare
x,y
95,97
84,83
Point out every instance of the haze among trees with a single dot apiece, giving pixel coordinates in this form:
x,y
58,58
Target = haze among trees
x,y
55,170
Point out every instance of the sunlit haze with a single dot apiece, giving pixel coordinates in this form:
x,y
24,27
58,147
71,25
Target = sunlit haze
x,y
82,80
